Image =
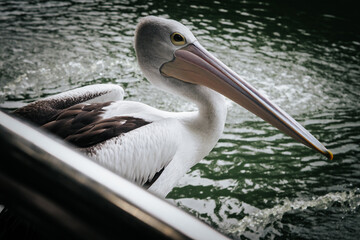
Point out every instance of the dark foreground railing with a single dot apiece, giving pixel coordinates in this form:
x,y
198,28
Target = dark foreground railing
x,y
66,195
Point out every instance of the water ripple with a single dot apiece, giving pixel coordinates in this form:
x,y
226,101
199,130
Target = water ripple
x,y
256,222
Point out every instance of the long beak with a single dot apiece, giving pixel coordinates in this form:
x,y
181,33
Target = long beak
x,y
194,64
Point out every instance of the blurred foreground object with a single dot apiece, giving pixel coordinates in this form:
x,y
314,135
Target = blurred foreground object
x,y
66,195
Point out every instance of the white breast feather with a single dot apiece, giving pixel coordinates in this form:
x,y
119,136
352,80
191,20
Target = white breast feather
x,y
138,155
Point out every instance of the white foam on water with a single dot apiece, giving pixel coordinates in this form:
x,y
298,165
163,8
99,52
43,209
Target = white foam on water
x,y
258,220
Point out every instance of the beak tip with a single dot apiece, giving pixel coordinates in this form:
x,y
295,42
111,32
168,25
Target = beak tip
x,y
329,155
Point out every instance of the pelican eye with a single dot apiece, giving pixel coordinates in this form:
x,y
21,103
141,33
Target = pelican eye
x,y
177,39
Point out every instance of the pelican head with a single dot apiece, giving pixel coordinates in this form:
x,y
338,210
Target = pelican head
x,y
169,56
156,40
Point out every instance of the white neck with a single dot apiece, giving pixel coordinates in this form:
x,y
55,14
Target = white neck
x,y
208,123
211,105
204,129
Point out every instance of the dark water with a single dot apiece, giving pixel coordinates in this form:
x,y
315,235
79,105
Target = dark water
x,y
256,183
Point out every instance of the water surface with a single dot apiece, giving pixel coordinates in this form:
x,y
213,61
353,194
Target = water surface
x,y
257,182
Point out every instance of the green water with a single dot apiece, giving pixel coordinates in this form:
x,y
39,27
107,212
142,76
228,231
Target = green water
x,y
256,183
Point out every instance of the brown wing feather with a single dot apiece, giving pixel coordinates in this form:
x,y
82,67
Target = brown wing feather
x,y
83,126
39,112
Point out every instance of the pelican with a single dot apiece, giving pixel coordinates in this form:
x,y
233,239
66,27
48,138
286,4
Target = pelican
x,y
148,146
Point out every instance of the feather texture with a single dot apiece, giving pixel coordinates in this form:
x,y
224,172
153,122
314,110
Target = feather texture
x,y
83,126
